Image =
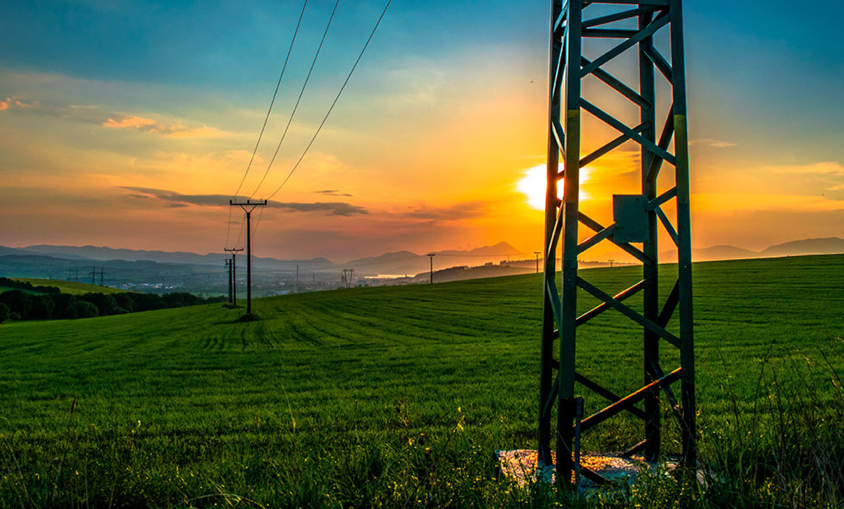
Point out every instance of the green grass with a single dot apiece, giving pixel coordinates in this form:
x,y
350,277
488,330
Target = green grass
x,y
394,396
69,287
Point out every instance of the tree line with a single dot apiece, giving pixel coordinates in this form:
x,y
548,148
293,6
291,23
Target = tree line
x,y
28,302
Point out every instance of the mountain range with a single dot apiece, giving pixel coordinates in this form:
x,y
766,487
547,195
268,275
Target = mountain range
x,y
829,245
166,271
401,262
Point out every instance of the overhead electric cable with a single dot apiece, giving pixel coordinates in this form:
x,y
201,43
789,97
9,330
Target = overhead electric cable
x,y
228,228
258,222
346,82
267,117
240,233
299,99
272,102
334,103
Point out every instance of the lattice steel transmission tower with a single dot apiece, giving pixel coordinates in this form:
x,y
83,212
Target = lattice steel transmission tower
x,y
588,44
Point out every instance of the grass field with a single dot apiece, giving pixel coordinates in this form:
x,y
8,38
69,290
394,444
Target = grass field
x,y
398,396
68,287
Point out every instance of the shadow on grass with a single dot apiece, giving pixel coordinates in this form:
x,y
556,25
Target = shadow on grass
x,y
248,317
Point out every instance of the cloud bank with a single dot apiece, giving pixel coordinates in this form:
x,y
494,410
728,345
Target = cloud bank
x,y
174,199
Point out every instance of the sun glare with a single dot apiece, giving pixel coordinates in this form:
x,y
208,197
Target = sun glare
x,y
532,185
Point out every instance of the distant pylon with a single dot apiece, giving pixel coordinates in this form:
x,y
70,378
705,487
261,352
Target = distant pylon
x,y
348,277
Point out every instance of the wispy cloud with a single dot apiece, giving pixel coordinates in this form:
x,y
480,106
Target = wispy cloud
x,y
825,168
168,130
333,208
710,142
828,174
199,132
174,199
92,114
140,123
457,212
12,103
332,192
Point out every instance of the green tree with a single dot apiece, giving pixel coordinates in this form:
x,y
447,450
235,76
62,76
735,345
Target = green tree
x,y
42,308
105,303
148,301
63,304
125,301
18,301
84,309
4,312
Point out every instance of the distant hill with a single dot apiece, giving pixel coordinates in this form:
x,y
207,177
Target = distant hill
x,y
406,262
97,253
168,271
8,251
161,271
723,252
103,253
502,249
399,262
712,253
830,245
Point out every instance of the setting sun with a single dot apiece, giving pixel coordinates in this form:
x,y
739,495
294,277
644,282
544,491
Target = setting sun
x,y
533,186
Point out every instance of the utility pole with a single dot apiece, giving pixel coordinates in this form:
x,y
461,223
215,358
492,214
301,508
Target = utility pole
x,y
233,290
102,273
536,253
93,275
228,264
296,289
248,206
431,256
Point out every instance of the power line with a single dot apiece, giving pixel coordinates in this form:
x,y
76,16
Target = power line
x,y
270,109
299,99
330,109
258,222
229,227
267,117
240,233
